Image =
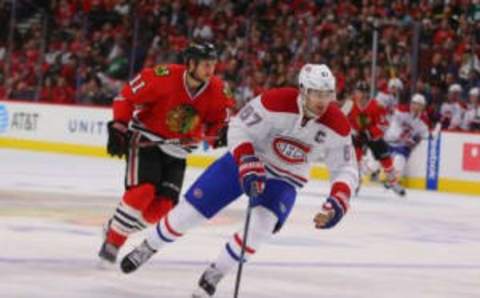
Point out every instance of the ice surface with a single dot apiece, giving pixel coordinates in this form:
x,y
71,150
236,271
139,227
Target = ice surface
x,y
52,208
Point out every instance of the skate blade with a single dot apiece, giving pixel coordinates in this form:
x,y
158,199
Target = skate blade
x,y
200,293
105,265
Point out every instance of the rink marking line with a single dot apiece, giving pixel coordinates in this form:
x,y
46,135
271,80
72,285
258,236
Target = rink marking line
x,y
266,264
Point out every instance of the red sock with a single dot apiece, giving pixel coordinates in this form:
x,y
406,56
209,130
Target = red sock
x,y
115,238
387,164
137,198
157,209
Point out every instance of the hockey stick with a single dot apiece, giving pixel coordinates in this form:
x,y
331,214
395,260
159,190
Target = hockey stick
x,y
179,142
242,252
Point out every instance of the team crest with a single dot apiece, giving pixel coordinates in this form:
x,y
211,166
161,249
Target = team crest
x,y
290,150
182,119
197,193
363,120
162,70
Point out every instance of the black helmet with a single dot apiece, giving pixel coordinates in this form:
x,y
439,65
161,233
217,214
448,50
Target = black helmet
x,y
199,51
362,86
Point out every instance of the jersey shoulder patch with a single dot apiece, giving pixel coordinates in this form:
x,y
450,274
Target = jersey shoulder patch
x,y
162,70
281,100
221,91
335,120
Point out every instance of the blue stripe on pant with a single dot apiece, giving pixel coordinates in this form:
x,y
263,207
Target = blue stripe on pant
x,y
401,150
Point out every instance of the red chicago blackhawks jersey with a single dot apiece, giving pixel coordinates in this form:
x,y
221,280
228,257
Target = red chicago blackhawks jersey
x,y
370,119
158,104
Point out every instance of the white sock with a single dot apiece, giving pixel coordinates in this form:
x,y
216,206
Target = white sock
x,y
399,162
174,225
262,224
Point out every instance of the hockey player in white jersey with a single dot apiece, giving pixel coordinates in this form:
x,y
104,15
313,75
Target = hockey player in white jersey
x,y
471,119
389,100
452,109
407,129
273,142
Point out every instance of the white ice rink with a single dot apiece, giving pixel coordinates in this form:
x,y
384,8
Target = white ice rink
x,y
52,207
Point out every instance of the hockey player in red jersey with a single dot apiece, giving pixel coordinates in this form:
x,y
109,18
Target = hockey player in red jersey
x,y
157,118
273,142
368,122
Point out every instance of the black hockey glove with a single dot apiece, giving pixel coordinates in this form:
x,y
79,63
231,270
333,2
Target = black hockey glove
x,y
222,138
118,138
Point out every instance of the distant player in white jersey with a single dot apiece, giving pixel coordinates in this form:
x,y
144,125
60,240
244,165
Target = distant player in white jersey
x,y
452,109
273,142
471,119
407,129
389,100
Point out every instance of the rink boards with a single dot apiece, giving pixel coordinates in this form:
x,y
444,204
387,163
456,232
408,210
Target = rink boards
x,y
449,162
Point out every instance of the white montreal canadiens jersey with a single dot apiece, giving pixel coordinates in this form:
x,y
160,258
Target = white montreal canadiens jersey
x,y
452,111
471,118
388,101
274,124
405,127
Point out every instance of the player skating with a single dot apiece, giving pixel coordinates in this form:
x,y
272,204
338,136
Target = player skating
x,y
273,142
175,104
367,118
408,127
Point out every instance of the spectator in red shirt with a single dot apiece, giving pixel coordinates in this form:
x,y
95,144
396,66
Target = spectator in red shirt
x,y
62,93
46,93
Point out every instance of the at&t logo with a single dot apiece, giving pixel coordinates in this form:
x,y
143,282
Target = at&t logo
x,y
3,118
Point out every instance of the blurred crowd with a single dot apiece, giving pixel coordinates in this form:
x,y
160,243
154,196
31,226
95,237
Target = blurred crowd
x,y
84,50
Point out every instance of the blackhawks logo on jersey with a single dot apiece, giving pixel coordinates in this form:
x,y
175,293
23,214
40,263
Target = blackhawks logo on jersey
x,y
162,70
183,119
363,120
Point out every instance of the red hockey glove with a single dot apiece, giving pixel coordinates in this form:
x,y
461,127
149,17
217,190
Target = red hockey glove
x,y
334,208
250,169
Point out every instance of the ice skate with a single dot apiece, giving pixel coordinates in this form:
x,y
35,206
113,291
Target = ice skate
x,y
108,255
396,188
137,257
375,176
108,252
208,282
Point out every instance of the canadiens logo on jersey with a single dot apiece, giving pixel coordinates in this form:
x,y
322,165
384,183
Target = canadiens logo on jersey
x,y
290,150
183,119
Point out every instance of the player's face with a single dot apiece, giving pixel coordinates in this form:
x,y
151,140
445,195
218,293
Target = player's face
x,y
205,69
394,90
416,109
474,99
317,101
360,97
453,96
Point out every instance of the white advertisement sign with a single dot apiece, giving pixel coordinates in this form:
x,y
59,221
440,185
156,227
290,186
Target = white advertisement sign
x,y
54,123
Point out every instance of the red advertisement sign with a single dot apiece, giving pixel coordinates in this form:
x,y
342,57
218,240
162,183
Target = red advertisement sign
x,y
471,157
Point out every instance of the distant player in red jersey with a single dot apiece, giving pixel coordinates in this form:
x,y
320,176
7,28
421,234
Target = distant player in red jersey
x,y
157,118
368,122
